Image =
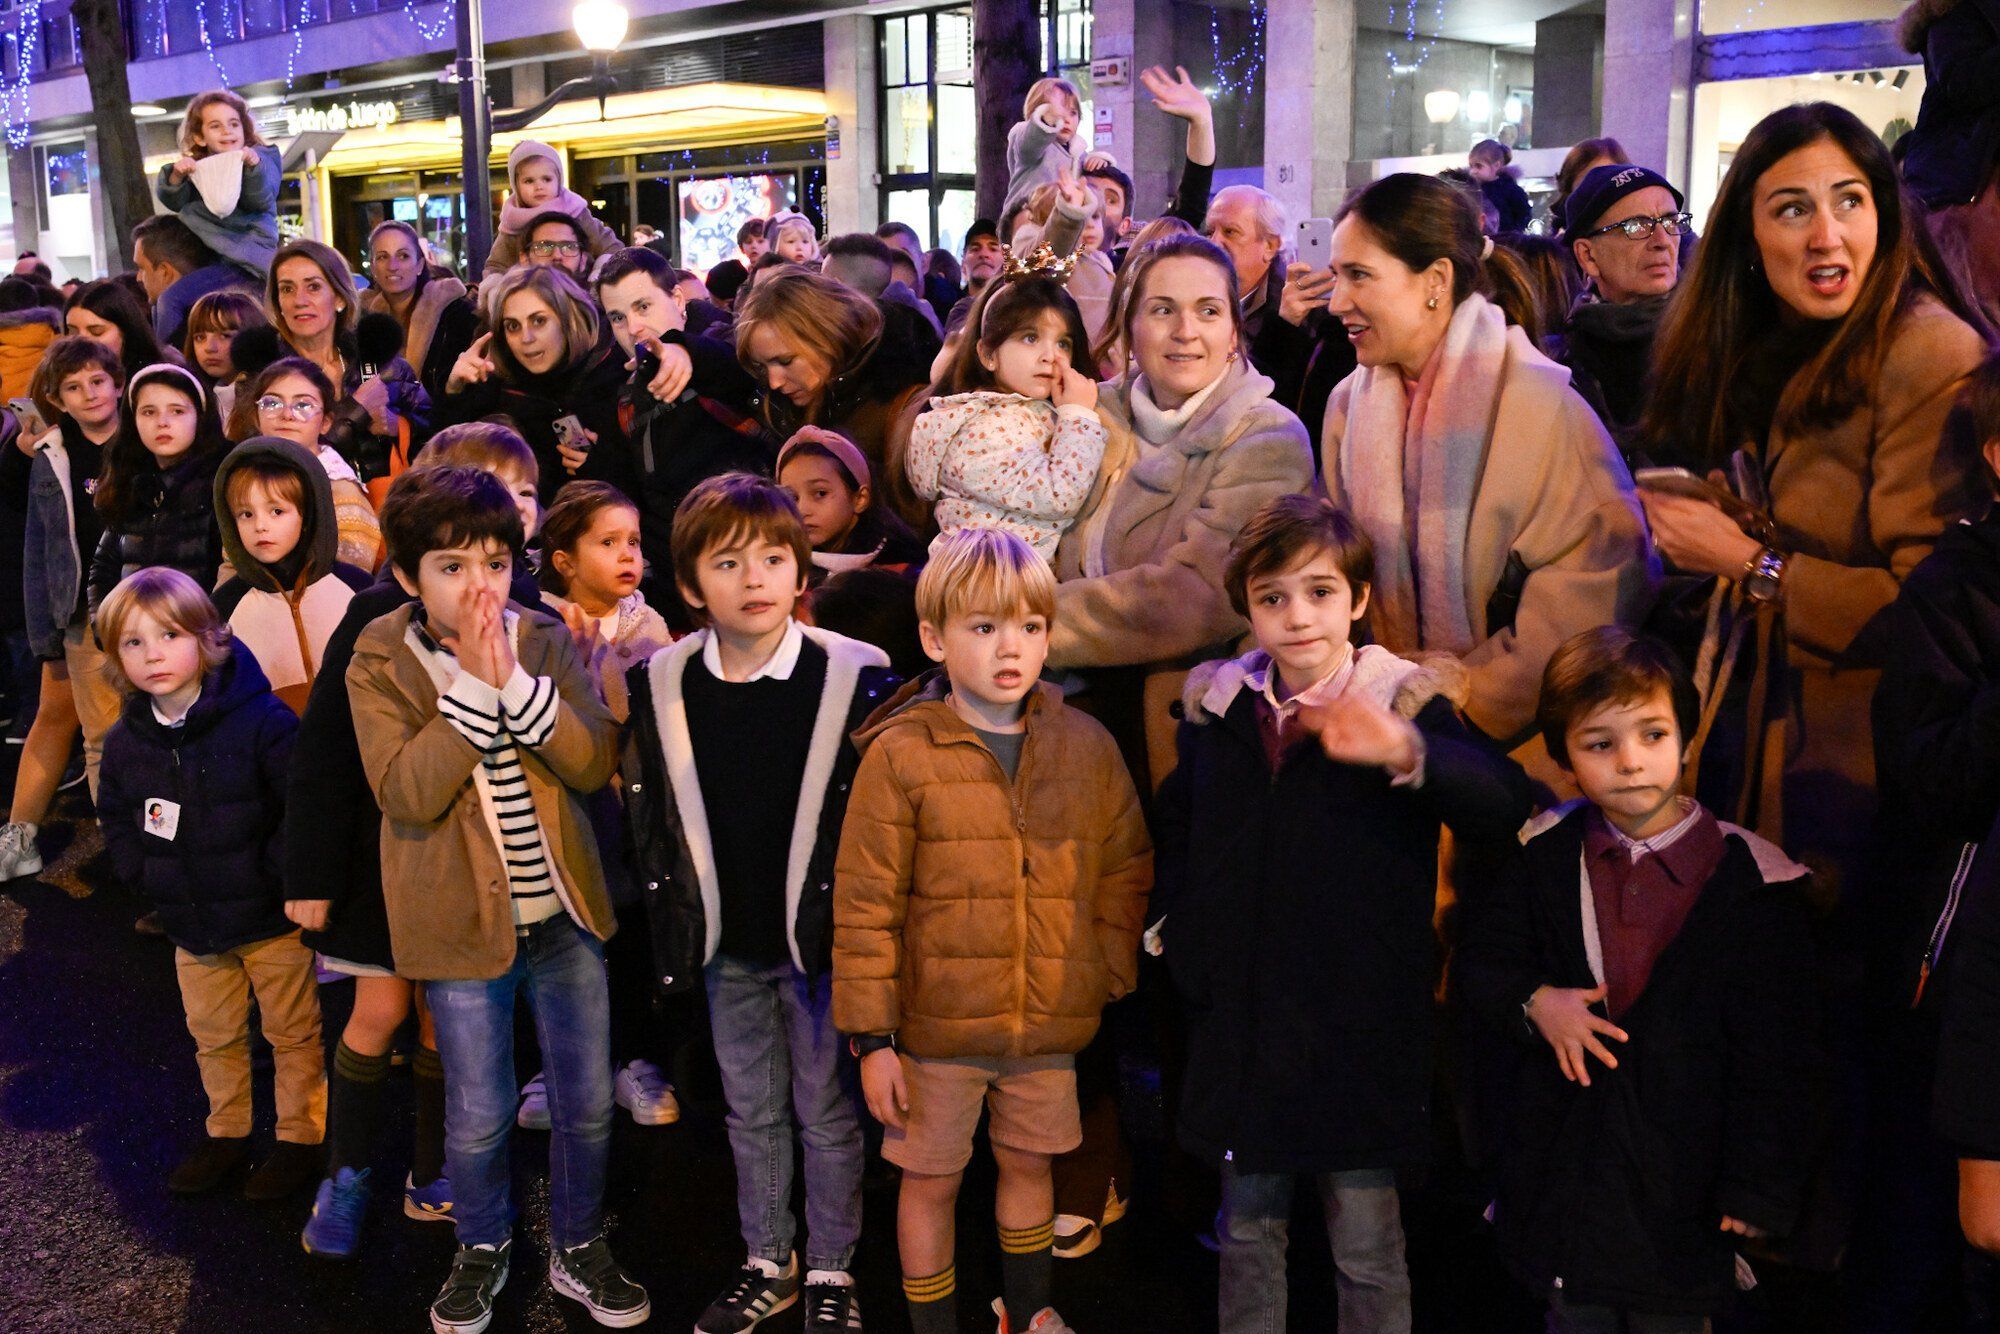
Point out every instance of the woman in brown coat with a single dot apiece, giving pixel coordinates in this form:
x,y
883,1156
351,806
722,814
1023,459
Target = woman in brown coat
x,y
1196,447
1815,350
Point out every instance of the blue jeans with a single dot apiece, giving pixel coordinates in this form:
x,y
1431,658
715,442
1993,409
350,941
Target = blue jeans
x,y
1364,1224
561,969
780,1058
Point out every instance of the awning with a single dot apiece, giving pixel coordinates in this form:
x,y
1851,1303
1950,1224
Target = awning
x,y
315,143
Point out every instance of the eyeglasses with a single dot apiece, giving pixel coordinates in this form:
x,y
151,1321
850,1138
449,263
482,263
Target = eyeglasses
x,y
1638,229
546,249
299,409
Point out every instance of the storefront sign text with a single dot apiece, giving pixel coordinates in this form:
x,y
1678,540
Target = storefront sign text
x,y
339,116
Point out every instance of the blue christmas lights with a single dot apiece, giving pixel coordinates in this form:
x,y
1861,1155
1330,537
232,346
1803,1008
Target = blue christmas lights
x,y
1230,77
14,92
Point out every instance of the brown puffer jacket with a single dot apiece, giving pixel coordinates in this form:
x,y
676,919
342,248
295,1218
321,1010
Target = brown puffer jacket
x,y
975,919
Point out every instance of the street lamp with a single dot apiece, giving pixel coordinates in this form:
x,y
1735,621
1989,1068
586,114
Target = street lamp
x,y
600,26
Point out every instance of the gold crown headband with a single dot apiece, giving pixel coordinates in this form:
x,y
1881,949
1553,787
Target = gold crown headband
x,y
1041,262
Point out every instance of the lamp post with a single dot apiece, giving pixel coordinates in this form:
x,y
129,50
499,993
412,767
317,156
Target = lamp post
x,y
600,27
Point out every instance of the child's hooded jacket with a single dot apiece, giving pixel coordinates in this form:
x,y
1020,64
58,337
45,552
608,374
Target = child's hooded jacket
x,y
286,610
211,858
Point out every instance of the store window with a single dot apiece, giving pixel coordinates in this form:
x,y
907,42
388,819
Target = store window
x,y
1722,16
697,198
930,118
1885,99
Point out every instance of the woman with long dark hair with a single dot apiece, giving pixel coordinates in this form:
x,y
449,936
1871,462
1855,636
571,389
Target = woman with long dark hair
x,y
310,298
106,310
1815,353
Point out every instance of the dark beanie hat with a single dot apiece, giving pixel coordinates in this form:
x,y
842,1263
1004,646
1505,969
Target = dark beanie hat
x,y
1604,186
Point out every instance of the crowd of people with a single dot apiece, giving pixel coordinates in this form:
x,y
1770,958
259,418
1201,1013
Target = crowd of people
x,y
1513,701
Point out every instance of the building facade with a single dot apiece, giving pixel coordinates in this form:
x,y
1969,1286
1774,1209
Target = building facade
x,y
857,112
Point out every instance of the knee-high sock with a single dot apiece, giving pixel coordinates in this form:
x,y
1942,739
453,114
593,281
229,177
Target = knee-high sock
x,y
1027,1265
427,1154
933,1302
354,1108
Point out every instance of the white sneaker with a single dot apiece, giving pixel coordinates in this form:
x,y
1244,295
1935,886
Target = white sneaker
x,y
643,1091
18,854
534,1113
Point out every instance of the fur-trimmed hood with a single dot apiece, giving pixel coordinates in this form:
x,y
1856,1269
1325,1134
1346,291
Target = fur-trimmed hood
x,y
43,315
1401,685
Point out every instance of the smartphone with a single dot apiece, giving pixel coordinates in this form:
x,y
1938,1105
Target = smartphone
x,y
1681,482
570,431
29,416
1315,243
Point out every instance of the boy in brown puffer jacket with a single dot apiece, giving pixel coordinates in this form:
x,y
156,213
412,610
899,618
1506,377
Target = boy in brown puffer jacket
x,y
988,897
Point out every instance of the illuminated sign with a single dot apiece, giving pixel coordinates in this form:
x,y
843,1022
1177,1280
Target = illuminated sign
x,y
338,116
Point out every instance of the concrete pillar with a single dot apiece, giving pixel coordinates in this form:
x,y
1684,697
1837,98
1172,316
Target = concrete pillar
x,y
1308,104
23,192
1566,87
1649,81
1149,146
853,196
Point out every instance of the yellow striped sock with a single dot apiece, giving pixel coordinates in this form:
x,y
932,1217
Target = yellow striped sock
x,y
934,1288
1028,1240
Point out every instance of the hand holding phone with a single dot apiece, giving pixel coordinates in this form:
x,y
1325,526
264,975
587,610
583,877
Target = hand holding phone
x,y
1315,243
29,416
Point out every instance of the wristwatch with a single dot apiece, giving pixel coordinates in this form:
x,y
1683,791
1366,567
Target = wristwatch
x,y
1763,575
867,1044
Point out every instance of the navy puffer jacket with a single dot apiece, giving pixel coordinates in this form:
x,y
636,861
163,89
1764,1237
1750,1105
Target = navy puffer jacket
x,y
218,881
171,522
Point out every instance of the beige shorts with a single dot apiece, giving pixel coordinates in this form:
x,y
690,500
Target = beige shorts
x,y
1032,1100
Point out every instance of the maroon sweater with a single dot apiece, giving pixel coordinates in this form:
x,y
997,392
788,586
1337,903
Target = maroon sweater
x,y
1642,904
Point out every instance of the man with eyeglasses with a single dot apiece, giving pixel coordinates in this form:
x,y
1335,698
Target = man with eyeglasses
x,y
556,241
1624,225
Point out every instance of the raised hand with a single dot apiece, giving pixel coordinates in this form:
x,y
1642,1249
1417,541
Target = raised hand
x,y
1073,191
1562,1015
1175,94
473,366
499,650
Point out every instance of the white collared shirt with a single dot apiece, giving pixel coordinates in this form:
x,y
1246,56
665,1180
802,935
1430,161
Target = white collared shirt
x,y
1635,848
778,667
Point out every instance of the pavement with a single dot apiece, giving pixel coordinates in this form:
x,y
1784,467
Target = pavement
x,y
99,1095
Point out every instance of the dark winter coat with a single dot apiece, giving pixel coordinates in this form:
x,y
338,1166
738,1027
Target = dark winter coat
x,y
1304,362
371,455
1616,1192
1504,192
333,850
1950,156
63,530
169,520
16,472
218,883
1609,351
1937,754
1295,914
590,389
671,850
1967,1092
707,431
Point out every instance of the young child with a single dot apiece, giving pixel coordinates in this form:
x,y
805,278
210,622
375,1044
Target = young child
x,y
827,477
737,766
1490,164
482,735
338,897
278,532
192,808
992,882
212,325
1299,840
156,492
1016,444
1671,1113
78,387
224,185
1043,144
534,187
289,400
591,564
792,238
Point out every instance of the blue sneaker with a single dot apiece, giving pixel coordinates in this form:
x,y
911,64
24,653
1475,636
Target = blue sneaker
x,y
427,1204
334,1230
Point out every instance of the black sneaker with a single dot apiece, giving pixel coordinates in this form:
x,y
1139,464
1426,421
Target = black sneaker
x,y
589,1274
289,1170
760,1291
465,1304
831,1306
205,1166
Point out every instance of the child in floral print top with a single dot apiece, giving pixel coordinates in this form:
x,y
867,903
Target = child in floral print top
x,y
1016,443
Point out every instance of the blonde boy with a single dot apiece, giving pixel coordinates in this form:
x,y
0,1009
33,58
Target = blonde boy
x,y
987,902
